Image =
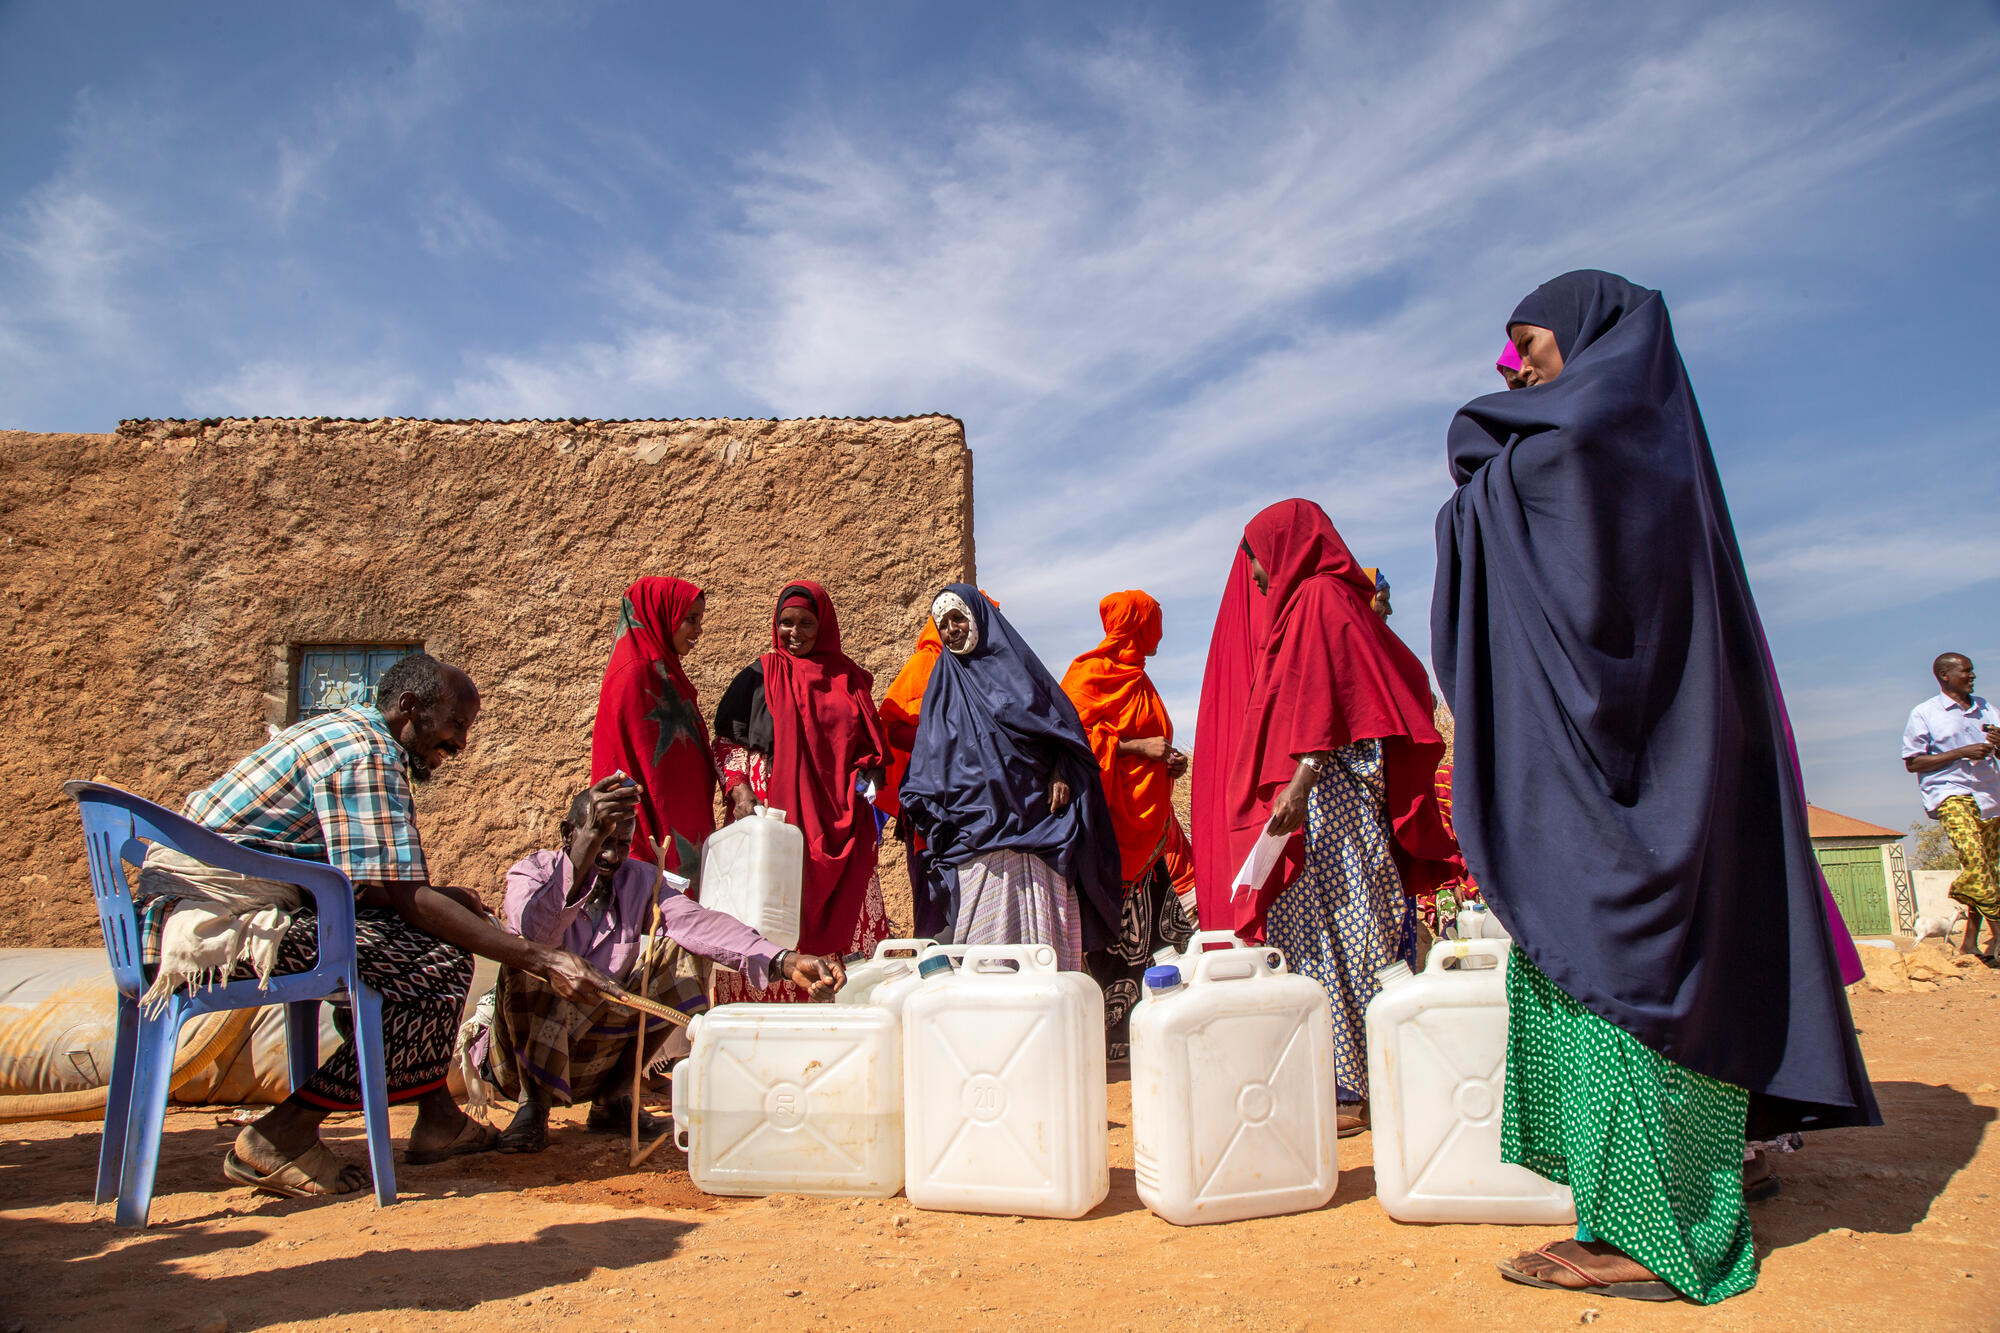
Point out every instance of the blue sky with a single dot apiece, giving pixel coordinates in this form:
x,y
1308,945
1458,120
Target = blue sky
x,y
1167,262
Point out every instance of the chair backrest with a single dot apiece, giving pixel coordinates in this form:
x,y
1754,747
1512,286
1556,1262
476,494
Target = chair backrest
x,y
116,827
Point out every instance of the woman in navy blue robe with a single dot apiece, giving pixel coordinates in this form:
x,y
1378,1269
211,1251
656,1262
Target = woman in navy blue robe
x,y
1626,795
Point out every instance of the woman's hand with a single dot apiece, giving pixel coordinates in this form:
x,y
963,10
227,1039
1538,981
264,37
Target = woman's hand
x,y
742,802
1288,811
872,777
1177,765
1152,749
1059,795
819,975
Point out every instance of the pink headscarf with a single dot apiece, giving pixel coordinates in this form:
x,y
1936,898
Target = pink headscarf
x,y
1510,359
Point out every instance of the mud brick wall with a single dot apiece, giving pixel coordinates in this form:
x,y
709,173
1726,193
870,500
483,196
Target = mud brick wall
x,y
155,581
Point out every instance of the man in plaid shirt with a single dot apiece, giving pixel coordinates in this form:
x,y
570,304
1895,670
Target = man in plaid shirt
x,y
337,788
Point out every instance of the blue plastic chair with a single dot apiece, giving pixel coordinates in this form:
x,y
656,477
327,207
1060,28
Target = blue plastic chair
x,y
114,822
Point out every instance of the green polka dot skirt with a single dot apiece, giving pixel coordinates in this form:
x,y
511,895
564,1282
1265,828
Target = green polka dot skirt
x,y
1652,1151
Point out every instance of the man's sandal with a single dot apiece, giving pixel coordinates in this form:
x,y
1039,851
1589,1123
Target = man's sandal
x,y
1630,1291
313,1173
616,1118
473,1136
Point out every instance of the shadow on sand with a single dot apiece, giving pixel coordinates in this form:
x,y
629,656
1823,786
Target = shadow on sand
x,y
1880,1180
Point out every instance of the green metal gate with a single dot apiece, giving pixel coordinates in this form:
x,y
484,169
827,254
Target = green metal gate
x,y
1855,876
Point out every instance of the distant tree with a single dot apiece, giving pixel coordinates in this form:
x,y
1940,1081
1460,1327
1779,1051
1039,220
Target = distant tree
x,y
1930,849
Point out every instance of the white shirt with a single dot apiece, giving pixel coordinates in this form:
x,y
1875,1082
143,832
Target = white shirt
x,y
1939,724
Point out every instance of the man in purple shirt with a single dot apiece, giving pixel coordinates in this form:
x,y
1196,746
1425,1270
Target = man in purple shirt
x,y
595,901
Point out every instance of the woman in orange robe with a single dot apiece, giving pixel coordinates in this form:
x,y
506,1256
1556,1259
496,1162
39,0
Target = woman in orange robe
x,y
1132,737
899,710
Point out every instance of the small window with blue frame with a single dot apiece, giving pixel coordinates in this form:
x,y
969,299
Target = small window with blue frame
x,y
328,676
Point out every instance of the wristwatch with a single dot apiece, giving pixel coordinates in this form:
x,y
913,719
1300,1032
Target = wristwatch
x,y
778,962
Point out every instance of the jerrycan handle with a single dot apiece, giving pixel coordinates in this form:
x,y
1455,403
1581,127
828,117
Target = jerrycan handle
x,y
910,949
1237,964
679,1097
770,812
991,959
1460,950
1202,938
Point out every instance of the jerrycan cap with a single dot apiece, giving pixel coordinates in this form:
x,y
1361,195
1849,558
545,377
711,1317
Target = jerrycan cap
x,y
933,965
1165,977
1395,972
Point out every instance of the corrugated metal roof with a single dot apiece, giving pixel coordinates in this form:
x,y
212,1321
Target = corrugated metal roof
x,y
1826,824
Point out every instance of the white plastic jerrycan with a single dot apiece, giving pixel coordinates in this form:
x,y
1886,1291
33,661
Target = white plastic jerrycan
x,y
1437,1073
893,958
752,870
1476,922
792,1099
1233,1096
891,993
1185,959
1004,1093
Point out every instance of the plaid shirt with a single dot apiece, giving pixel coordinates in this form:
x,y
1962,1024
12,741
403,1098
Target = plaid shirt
x,y
333,788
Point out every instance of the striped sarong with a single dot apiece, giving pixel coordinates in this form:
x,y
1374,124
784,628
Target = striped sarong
x,y
570,1049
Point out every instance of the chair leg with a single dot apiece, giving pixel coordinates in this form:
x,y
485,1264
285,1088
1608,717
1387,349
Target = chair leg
x,y
118,1100
152,1079
371,1057
302,1041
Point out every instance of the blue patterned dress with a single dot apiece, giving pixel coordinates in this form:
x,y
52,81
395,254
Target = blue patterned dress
x,y
1346,916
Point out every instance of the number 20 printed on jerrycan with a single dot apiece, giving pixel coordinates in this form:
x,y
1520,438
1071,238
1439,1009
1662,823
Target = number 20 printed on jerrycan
x,y
1004,1092
1233,1095
1437,1076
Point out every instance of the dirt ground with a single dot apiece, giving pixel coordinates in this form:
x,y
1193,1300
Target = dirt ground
x,y
1886,1229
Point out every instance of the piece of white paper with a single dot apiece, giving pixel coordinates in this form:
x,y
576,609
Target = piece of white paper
x,y
1264,854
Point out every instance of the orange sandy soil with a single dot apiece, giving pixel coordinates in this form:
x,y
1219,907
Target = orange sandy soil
x,y
1887,1229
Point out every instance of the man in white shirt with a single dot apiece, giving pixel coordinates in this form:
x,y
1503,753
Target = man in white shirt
x,y
1952,744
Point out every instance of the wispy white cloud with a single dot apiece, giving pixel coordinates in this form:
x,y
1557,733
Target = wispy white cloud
x,y
1160,288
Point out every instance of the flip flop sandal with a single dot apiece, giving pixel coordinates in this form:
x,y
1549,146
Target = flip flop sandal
x,y
1629,1291
314,1173
1347,1125
484,1139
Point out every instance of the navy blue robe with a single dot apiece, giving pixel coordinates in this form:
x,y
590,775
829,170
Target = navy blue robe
x,y
1624,789
995,724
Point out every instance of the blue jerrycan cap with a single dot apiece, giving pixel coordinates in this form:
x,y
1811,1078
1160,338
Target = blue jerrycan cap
x,y
1164,977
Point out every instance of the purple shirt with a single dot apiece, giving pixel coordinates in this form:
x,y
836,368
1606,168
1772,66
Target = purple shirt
x,y
534,909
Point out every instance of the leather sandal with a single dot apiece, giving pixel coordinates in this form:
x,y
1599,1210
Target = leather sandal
x,y
615,1117
473,1136
528,1131
316,1171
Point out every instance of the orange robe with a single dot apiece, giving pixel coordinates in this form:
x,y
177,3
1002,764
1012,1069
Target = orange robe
x,y
1117,702
899,710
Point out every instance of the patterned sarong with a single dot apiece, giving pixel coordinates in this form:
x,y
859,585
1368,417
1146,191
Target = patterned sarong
x,y
1977,842
1153,919
570,1049
1652,1151
1345,917
422,981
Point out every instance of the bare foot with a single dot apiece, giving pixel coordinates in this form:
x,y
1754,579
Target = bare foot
x,y
1606,1264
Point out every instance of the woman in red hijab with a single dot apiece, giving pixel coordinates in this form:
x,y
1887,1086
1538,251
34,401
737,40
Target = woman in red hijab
x,y
1133,739
649,723
797,729
1316,724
